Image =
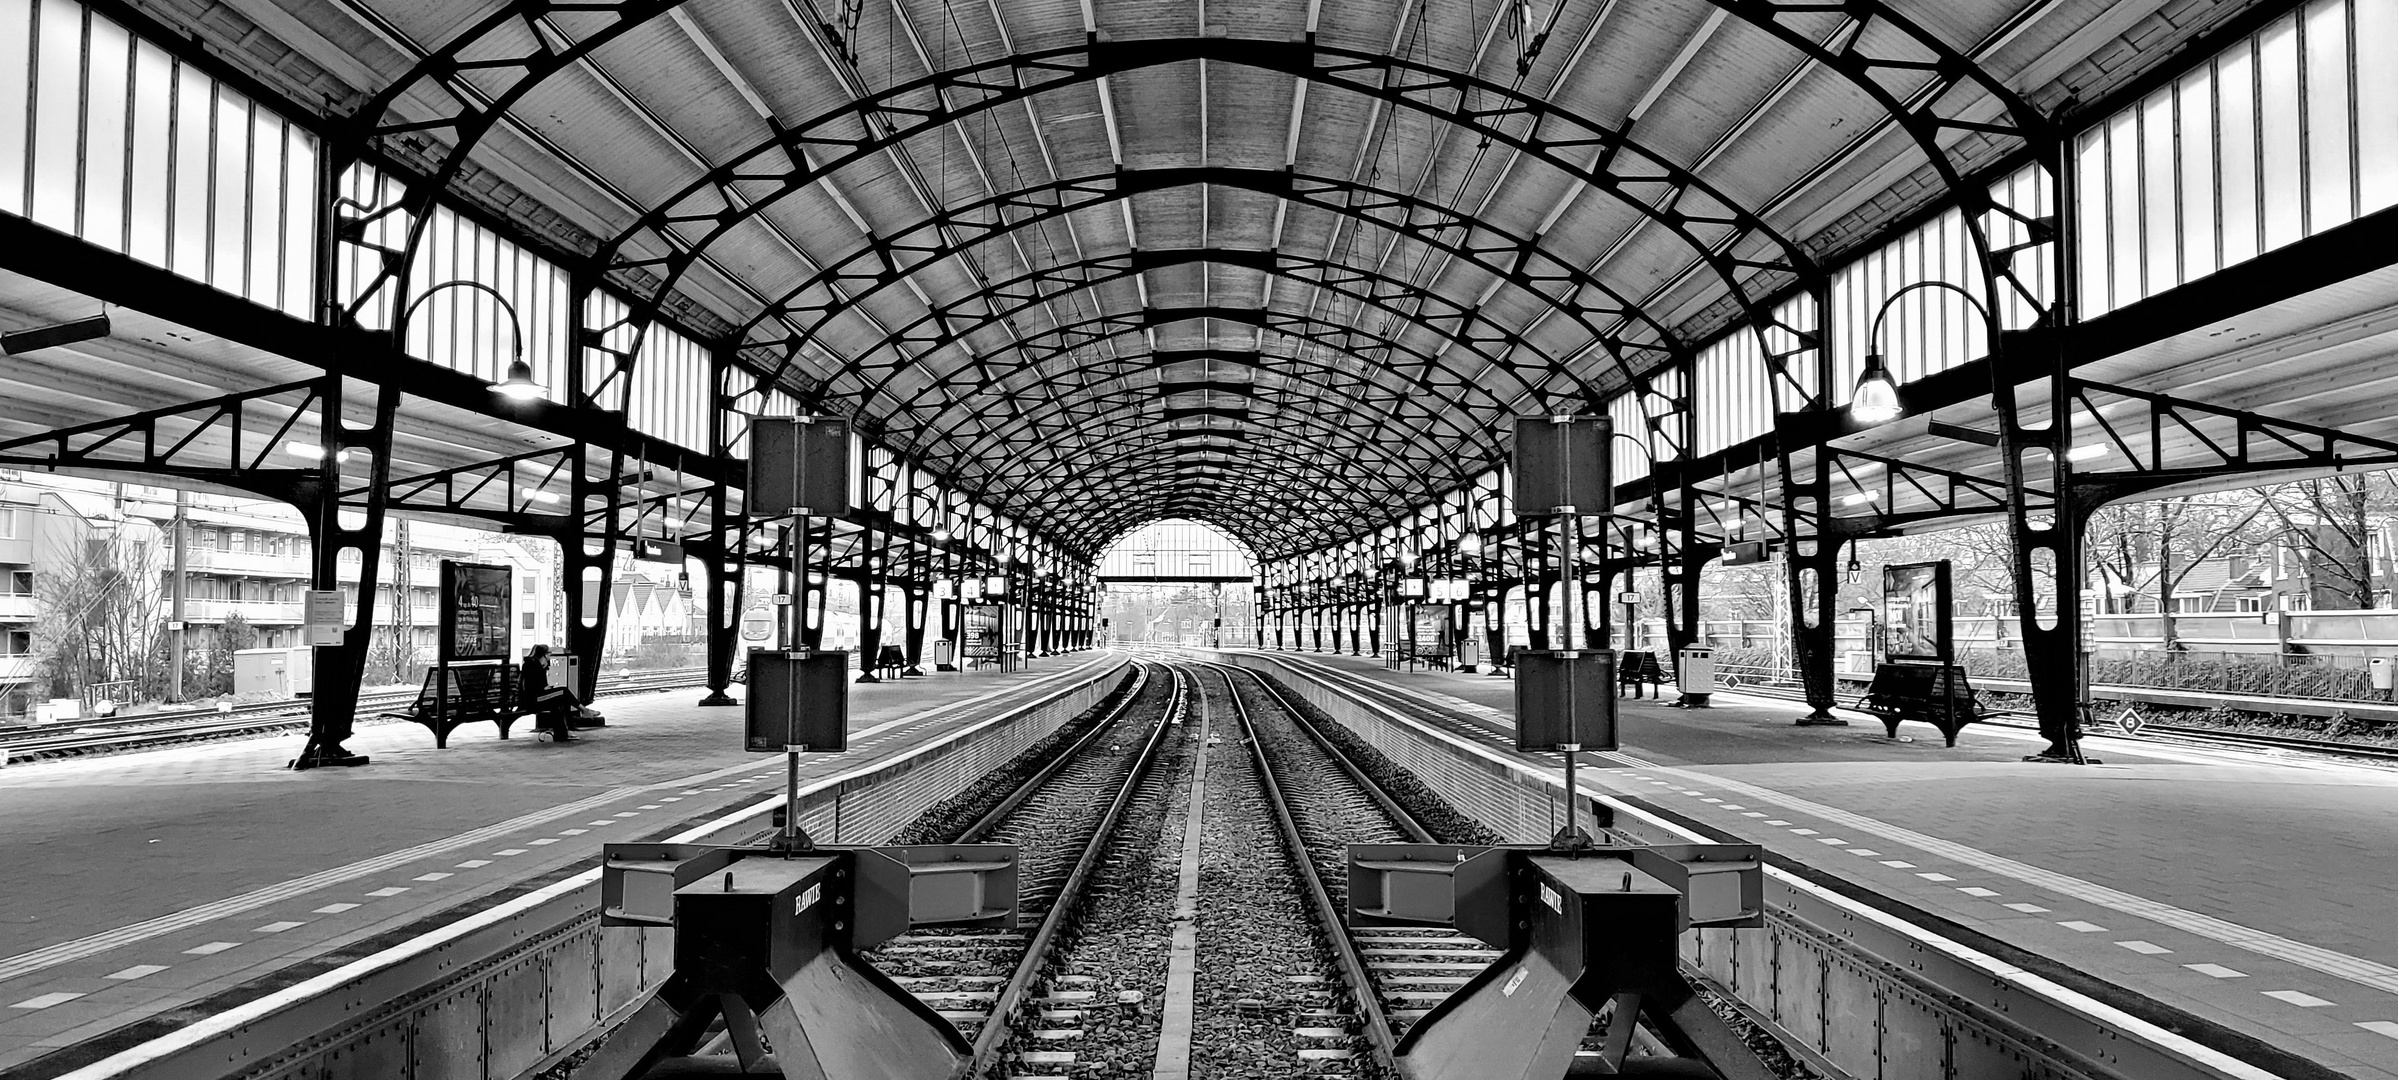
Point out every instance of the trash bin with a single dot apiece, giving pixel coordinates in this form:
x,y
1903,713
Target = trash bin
x,y
1696,679
2381,671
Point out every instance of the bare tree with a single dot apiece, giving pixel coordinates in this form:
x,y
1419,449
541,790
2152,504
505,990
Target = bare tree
x,y
99,615
2178,534
2328,520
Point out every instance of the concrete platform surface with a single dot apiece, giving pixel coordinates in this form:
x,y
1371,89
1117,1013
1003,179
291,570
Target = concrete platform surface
x,y
140,883
2258,890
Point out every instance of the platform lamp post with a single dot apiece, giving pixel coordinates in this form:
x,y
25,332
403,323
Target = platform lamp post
x,y
340,662
2056,648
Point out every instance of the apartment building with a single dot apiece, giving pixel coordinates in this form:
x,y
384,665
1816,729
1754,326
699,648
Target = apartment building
x,y
242,557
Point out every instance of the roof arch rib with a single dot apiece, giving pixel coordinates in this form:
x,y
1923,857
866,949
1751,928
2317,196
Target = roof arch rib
x,y
942,327
1519,260
1268,510
1384,421
1335,433
1060,341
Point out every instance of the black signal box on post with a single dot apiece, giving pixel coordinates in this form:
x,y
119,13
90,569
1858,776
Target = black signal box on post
x,y
798,466
1563,462
1565,699
798,698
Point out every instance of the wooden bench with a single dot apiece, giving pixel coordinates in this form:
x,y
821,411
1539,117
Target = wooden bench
x,y
1635,670
455,696
1937,694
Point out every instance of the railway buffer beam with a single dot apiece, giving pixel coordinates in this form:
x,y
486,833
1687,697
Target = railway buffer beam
x,y
1589,943
766,943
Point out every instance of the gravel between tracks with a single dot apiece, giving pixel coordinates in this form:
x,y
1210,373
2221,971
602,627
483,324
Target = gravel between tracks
x,y
1117,950
1264,973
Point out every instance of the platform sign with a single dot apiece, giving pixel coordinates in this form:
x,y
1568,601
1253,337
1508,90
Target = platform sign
x,y
1563,461
797,699
476,611
320,612
1916,609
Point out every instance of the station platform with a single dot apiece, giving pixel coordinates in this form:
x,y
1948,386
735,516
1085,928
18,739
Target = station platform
x,y
2251,890
148,888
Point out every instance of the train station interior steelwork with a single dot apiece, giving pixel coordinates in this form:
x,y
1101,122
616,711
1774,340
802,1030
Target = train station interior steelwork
x,y
1427,539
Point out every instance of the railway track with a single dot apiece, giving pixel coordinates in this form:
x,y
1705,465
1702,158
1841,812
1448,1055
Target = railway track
x,y
161,729
1760,686
1012,992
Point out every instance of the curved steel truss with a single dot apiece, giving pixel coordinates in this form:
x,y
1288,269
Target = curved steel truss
x,y
1337,424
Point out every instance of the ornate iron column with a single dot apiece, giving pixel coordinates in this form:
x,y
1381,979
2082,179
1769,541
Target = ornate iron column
x,y
340,667
870,606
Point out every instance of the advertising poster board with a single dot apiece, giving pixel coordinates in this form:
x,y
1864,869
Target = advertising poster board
x,y
1916,610
476,611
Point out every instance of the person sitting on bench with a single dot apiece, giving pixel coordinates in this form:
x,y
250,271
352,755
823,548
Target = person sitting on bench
x,y
552,706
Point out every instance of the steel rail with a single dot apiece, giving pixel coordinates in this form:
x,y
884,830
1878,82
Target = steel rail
x,y
989,1041
983,826
1399,816
1328,916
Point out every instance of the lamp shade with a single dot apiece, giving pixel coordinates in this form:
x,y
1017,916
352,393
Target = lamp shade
x,y
1876,399
519,385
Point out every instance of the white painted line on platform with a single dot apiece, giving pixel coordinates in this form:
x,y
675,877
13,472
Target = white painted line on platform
x,y
135,972
1934,876
2298,998
2144,948
392,891
278,927
2331,962
2080,927
436,875
626,814
546,840
510,851
45,1001
1865,852
569,832
1776,821
1804,832
2216,971
1832,840
212,948
2028,909
334,909
474,864
1898,864
214,1027
601,823
2381,1027
1976,890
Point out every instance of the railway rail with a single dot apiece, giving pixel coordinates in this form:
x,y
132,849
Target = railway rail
x,y
160,729
1005,989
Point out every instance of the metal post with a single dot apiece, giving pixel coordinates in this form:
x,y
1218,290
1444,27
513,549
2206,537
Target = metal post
x,y
725,581
870,607
175,586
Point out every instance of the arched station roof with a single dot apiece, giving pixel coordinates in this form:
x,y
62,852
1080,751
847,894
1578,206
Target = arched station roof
x,y
1287,268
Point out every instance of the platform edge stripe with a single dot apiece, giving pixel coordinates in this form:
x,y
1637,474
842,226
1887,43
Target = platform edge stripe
x,y
27,963
132,1058
48,956
2315,957
2038,985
